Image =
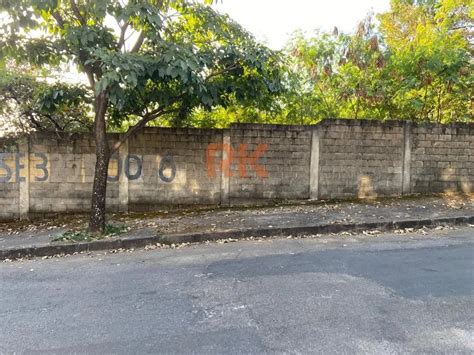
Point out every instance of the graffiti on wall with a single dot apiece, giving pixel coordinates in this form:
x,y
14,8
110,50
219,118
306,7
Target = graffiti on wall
x,y
131,166
166,168
8,173
240,156
12,165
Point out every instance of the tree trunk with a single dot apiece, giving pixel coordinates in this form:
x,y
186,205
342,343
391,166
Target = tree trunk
x,y
99,192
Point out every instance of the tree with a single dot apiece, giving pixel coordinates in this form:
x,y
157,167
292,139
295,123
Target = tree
x,y
341,75
28,104
143,60
430,47
417,65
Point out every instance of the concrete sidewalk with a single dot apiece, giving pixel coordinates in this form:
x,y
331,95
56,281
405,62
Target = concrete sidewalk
x,y
36,239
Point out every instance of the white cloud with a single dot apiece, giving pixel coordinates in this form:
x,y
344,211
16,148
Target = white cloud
x,y
274,20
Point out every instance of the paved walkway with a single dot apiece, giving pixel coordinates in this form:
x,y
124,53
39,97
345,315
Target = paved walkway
x,y
41,233
315,214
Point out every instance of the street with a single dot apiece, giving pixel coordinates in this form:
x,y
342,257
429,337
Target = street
x,y
383,294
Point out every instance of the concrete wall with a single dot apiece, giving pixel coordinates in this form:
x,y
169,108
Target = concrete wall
x,y
62,172
9,180
360,159
284,158
245,164
442,158
173,168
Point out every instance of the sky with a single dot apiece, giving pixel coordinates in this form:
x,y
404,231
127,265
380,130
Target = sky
x,y
273,21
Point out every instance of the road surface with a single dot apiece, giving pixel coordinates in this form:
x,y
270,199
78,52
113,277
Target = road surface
x,y
387,294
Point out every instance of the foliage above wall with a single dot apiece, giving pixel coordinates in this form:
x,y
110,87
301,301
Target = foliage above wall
x,y
413,63
28,103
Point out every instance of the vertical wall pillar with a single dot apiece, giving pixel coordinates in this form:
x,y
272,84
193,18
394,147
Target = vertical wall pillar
x,y
23,165
123,181
314,164
225,167
406,181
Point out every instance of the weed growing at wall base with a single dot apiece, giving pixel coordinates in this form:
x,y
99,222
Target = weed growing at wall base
x,y
111,230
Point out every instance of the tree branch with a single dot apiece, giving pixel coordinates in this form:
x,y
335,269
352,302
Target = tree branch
x,y
53,121
58,18
80,122
138,43
223,71
60,21
461,27
31,117
123,30
77,13
142,123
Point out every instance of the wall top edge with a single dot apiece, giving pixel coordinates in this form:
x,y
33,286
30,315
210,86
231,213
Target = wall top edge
x,y
247,126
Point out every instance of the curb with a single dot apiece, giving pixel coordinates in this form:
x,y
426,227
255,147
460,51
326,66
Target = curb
x,y
140,242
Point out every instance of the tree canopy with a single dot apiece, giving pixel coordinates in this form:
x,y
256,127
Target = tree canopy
x,y
195,67
413,62
28,103
150,57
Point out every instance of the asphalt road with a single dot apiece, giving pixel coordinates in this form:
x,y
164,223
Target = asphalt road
x,y
378,295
